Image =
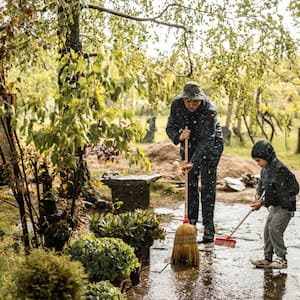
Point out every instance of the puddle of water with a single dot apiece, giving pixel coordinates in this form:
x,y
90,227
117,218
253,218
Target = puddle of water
x,y
224,273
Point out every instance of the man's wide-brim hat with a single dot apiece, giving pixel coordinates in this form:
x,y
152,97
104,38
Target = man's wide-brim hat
x,y
192,91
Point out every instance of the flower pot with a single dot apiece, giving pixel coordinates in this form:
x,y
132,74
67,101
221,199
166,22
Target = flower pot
x,y
135,276
143,254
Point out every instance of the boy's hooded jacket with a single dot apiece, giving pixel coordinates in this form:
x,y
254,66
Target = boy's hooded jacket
x,y
279,184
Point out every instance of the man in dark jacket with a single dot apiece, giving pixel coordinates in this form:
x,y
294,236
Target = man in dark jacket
x,y
280,187
193,116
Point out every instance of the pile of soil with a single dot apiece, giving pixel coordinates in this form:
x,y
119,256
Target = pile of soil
x,y
163,155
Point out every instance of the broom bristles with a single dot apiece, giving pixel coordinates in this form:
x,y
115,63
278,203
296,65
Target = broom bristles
x,y
185,249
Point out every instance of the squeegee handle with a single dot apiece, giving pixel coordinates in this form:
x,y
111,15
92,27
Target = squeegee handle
x,y
236,228
247,215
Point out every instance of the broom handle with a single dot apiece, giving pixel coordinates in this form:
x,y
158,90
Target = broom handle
x,y
186,179
247,215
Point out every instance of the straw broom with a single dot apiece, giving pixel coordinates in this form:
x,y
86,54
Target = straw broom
x,y
185,249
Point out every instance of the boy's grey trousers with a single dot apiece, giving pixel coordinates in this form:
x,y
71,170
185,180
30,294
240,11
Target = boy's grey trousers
x,y
276,223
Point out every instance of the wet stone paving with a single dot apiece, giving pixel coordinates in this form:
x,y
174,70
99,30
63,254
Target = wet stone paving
x,y
224,273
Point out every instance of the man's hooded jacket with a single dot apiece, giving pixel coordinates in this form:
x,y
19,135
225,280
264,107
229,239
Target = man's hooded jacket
x,y
206,138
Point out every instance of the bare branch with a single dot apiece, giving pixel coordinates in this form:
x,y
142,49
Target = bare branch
x,y
189,57
141,19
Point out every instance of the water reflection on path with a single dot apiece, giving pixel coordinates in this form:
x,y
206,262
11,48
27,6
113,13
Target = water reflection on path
x,y
224,273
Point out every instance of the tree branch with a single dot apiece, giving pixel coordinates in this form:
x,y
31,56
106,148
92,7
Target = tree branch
x,y
189,57
141,19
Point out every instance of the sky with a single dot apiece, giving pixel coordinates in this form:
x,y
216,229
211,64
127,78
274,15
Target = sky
x,y
167,39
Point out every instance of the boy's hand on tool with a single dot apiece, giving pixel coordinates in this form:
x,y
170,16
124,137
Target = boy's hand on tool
x,y
256,205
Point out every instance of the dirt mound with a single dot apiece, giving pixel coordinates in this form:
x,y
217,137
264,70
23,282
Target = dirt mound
x,y
235,166
163,151
163,155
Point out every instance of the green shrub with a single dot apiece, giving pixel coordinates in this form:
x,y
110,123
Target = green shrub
x,y
102,290
138,229
11,255
45,275
105,258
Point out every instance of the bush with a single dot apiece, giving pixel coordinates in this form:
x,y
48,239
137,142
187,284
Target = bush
x,y
102,290
138,229
11,256
105,258
44,276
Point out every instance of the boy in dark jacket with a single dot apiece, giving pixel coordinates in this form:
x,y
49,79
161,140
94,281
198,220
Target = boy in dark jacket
x,y
194,117
280,187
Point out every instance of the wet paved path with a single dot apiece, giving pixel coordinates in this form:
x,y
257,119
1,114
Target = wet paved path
x,y
224,273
